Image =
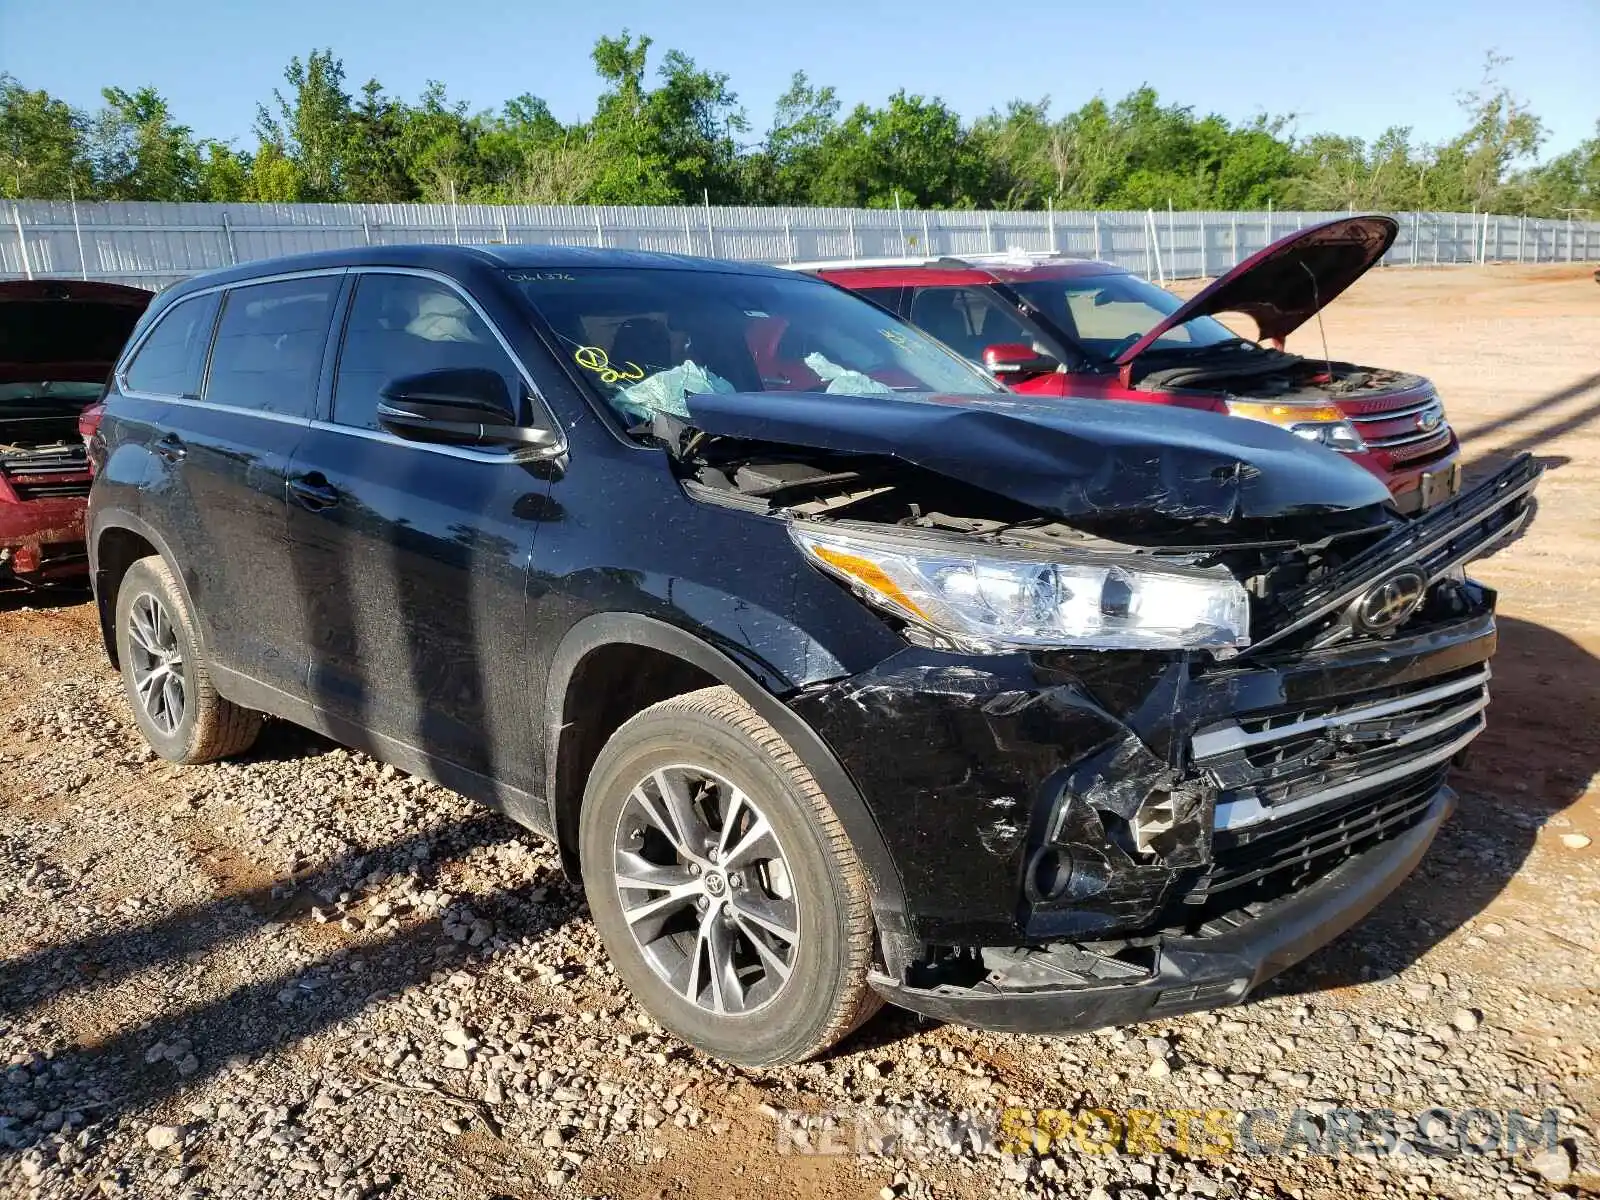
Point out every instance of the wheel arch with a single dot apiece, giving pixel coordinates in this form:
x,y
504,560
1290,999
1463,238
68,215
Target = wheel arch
x,y
573,739
117,540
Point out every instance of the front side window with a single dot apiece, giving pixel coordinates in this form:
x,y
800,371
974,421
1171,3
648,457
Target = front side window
x,y
1106,314
648,339
171,361
269,345
405,325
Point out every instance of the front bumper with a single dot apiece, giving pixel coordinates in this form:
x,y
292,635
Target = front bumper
x,y
1192,973
42,541
972,767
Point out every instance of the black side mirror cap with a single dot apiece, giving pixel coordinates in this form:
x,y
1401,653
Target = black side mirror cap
x,y
457,406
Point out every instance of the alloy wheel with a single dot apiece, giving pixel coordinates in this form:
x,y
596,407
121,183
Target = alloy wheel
x,y
156,662
706,890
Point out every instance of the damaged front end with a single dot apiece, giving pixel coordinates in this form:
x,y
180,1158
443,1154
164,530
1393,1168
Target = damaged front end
x,y
1114,829
44,485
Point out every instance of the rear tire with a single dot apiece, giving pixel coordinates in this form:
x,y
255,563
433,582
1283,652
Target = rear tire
x,y
164,677
751,937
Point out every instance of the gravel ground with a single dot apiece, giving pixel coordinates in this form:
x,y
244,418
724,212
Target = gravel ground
x,y
307,975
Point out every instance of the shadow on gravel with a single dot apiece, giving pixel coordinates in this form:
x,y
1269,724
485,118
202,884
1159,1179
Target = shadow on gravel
x,y
1534,407
61,596
1535,758
281,1009
102,958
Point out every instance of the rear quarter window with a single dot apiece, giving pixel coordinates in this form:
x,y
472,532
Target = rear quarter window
x,y
171,361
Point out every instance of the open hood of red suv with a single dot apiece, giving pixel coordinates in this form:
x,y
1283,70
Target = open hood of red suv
x,y
1283,286
60,330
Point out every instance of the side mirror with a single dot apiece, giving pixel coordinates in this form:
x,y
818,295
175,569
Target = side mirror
x,y
1014,360
457,406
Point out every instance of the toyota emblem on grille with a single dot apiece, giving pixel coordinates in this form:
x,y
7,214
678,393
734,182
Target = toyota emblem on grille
x,y
1430,418
1391,602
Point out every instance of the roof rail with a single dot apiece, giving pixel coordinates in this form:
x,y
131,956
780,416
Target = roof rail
x,y
992,258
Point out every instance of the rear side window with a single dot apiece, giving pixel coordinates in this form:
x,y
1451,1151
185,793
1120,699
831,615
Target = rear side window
x,y
269,345
884,297
404,325
172,359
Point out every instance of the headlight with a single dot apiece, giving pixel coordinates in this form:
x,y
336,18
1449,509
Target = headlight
x,y
1323,423
983,599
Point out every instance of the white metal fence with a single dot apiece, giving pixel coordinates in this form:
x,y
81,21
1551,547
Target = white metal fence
x,y
152,245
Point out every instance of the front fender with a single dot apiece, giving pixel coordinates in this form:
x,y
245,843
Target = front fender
x,y
613,628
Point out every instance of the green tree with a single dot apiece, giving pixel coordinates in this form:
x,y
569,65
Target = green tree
x,y
312,125
371,165
913,150
42,145
274,177
665,145
1568,184
785,167
139,152
1472,168
436,144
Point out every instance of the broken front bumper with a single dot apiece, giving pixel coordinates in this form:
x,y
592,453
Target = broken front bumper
x,y
41,541
1188,973
981,771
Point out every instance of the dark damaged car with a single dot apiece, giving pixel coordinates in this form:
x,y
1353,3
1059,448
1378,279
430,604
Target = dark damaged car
x,y
897,685
58,339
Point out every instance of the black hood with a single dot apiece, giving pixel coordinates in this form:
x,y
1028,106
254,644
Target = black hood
x,y
1074,459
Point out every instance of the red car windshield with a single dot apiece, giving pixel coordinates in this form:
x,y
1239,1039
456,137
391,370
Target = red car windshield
x,y
648,339
1105,314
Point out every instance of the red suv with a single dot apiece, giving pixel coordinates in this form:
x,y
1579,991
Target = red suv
x,y
58,340
1054,326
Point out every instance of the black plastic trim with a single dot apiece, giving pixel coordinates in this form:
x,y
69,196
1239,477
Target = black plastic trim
x,y
1197,973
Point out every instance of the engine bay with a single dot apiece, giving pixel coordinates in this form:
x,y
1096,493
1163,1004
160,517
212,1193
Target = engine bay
x,y
1274,375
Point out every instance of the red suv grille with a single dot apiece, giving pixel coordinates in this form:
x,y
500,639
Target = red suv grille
x,y
1411,431
48,474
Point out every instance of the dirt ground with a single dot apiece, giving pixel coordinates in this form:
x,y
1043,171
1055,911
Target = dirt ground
x,y
203,881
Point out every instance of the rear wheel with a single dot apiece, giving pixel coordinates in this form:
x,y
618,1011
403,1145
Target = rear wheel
x,y
168,687
723,885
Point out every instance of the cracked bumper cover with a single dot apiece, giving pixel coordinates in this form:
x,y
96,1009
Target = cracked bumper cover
x,y
47,531
1193,973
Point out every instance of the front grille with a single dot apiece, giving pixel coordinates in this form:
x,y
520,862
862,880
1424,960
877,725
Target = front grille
x,y
1278,857
1433,543
1409,432
1301,788
47,474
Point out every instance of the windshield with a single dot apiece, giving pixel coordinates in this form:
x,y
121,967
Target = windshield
x,y
1105,314
648,339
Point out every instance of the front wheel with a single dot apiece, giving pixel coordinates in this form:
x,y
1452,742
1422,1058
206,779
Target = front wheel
x,y
723,885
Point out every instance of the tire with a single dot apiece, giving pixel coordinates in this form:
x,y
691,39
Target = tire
x,y
803,994
180,713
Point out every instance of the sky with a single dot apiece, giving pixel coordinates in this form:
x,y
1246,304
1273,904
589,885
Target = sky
x,y
1352,67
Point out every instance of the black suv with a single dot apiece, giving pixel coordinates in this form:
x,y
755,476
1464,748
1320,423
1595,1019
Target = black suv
x,y
1029,715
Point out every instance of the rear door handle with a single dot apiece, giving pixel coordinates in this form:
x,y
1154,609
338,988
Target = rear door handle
x,y
313,491
171,448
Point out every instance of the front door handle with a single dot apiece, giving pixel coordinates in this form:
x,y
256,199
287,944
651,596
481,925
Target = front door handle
x,y
171,448
313,491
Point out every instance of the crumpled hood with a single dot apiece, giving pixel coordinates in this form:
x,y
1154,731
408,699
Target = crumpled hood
x,y
1073,458
1283,286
